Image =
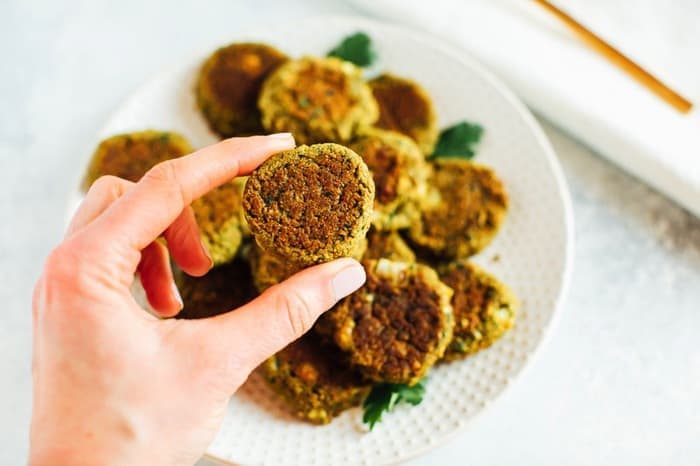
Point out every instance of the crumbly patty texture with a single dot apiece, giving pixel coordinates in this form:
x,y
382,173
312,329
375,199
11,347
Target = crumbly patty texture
x,y
397,325
388,245
484,308
311,204
131,155
463,210
222,289
228,87
317,100
404,106
219,215
399,171
312,378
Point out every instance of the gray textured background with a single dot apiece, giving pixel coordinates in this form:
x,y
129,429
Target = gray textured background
x,y
619,381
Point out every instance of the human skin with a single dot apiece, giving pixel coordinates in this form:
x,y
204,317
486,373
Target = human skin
x,y
114,385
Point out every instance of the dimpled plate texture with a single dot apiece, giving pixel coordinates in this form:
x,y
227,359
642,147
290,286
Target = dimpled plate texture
x,y
531,254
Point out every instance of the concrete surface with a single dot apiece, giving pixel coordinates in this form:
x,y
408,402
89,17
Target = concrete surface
x,y
619,382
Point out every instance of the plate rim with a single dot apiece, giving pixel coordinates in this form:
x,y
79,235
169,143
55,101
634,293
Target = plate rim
x,y
455,52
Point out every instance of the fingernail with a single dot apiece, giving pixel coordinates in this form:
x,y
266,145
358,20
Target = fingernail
x,y
348,280
205,250
176,293
280,136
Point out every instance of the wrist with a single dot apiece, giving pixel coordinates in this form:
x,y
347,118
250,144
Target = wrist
x,y
69,455
60,445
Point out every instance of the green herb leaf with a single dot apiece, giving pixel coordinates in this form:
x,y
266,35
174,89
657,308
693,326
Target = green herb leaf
x,y
303,101
412,395
458,141
356,48
385,396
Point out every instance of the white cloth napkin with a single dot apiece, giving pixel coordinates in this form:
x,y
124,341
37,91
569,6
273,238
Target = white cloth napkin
x,y
570,85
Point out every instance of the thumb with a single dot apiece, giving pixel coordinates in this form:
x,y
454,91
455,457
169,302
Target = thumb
x,y
250,334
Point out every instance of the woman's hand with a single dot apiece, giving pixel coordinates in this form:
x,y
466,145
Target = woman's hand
x,y
116,385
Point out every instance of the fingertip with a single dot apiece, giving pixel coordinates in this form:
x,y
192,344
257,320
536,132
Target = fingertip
x,y
208,260
341,277
348,279
254,150
176,296
188,246
166,302
157,280
288,137
198,266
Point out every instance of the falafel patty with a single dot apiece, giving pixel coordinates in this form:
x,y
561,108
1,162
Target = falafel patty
x,y
404,106
396,326
228,87
131,155
222,289
219,214
312,378
399,171
317,100
463,210
484,308
388,245
311,204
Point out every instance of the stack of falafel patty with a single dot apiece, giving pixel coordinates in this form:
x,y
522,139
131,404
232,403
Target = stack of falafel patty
x,y
360,185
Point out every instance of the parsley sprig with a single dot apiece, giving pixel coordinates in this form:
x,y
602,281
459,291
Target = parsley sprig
x,y
458,141
356,48
385,396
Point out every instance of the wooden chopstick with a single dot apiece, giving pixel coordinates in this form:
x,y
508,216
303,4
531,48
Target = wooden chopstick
x,y
618,59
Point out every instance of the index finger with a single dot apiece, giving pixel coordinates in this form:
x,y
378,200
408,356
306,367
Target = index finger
x,y
151,205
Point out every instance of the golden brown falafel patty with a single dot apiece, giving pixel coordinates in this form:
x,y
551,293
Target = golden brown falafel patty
x,y
228,87
311,204
396,326
219,214
313,379
388,245
399,171
404,106
317,100
222,289
484,308
463,210
131,155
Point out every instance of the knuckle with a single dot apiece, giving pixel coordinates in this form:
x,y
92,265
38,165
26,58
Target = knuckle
x,y
107,185
60,272
104,182
165,176
296,311
59,262
68,267
162,173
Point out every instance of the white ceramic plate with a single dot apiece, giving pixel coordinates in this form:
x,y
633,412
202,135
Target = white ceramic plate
x,y
532,253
